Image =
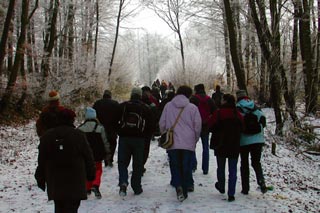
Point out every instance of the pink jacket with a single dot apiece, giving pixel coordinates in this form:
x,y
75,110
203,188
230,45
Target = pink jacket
x,y
187,131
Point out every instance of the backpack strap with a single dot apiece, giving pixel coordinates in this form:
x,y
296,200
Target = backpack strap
x,y
175,123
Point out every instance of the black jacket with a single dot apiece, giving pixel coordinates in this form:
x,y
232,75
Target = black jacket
x,y
65,162
226,125
108,111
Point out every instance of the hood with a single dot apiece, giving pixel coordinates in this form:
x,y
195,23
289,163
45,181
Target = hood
x,y
246,103
180,101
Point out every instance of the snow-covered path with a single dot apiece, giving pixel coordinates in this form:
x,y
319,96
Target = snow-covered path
x,y
296,180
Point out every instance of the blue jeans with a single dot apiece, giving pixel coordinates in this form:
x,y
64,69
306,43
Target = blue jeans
x,y
180,167
205,153
232,163
130,147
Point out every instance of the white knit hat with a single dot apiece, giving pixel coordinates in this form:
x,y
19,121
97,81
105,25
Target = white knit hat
x,y
53,96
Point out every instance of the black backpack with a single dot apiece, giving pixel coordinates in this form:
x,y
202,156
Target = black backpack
x,y
132,121
252,123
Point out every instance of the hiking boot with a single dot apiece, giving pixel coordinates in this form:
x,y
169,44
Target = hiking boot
x,y
244,192
222,191
263,187
110,164
123,190
138,191
95,190
191,189
231,198
205,172
180,195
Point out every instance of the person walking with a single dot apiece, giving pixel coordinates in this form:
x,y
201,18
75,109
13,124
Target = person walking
x,y
135,124
186,134
48,117
99,144
65,163
108,111
206,107
217,96
226,124
251,142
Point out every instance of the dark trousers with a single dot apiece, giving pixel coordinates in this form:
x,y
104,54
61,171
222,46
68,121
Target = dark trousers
x,y
180,166
205,153
112,138
232,164
146,150
255,151
130,147
66,206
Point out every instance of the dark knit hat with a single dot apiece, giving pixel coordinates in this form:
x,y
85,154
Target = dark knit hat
x,y
199,87
53,96
107,93
241,94
146,89
136,91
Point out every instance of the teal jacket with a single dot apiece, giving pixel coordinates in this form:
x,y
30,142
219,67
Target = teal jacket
x,y
255,138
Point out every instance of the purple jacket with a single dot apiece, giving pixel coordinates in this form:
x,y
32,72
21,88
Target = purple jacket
x,y
187,131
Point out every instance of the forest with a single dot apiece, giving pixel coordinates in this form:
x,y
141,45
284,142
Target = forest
x,y
81,47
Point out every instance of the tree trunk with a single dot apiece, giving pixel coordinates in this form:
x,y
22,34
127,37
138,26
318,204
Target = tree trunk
x,y
233,47
97,33
115,39
310,72
50,37
24,83
18,57
272,57
227,51
5,33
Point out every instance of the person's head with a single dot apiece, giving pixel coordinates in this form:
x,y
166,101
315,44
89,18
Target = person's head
x,y
66,117
146,90
136,93
184,90
90,113
170,94
199,88
107,94
241,94
228,100
53,96
218,88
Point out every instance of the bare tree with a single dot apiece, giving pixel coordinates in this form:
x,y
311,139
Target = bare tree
x,y
5,33
25,17
171,12
233,46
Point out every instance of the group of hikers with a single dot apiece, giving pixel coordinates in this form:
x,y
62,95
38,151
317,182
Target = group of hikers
x,y
72,157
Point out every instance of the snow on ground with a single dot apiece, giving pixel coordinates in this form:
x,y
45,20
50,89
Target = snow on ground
x,y
295,177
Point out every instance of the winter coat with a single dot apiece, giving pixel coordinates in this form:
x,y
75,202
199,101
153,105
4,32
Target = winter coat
x,y
48,117
188,129
65,163
255,138
97,139
108,112
226,125
206,107
144,111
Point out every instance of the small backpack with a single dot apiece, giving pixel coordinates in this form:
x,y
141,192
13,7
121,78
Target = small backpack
x,y
252,123
204,108
132,120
